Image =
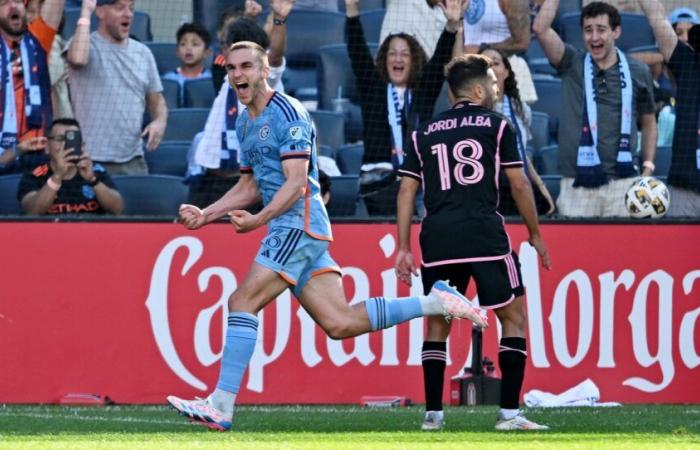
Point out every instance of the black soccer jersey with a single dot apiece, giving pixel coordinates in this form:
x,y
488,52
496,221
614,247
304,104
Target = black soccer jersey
x,y
458,155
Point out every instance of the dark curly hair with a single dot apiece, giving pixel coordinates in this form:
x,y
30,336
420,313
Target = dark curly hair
x,y
510,85
418,58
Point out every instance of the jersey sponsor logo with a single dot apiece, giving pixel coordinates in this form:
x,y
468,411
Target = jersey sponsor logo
x,y
451,124
264,133
295,132
62,208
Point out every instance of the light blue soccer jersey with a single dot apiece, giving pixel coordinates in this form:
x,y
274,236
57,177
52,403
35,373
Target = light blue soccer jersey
x,y
284,130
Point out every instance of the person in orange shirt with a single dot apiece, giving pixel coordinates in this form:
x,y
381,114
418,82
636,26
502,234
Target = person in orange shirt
x,y
25,87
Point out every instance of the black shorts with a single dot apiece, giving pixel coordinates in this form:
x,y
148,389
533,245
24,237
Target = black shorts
x,y
497,282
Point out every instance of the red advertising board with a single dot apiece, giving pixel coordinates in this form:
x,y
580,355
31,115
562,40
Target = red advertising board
x,y
135,311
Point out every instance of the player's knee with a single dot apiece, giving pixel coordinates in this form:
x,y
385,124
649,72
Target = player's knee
x,y
513,316
238,301
339,329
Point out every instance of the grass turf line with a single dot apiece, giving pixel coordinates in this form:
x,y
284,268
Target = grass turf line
x,y
323,427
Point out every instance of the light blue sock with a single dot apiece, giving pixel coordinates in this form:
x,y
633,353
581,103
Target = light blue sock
x,y
385,313
241,334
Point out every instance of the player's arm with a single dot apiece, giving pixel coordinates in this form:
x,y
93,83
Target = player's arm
x,y
522,194
52,12
666,38
551,43
404,265
242,195
79,49
517,14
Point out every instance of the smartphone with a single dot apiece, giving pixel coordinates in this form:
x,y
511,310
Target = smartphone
x,y
74,141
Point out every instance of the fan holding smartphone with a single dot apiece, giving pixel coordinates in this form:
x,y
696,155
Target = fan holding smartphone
x,y
70,183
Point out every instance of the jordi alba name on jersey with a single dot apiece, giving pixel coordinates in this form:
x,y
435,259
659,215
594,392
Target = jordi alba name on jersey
x,y
283,131
458,155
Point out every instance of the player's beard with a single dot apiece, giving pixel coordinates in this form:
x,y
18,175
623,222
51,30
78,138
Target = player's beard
x,y
7,28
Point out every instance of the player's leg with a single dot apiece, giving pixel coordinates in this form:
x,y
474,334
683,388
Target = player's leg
x,y
499,284
434,352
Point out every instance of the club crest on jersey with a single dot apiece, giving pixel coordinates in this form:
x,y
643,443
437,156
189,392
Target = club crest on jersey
x,y
264,132
295,132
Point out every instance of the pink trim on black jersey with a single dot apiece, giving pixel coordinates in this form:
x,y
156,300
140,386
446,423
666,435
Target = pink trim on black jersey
x,y
514,163
411,174
512,271
465,260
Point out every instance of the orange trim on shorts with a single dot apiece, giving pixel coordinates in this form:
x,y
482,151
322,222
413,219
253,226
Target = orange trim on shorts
x,y
326,270
287,278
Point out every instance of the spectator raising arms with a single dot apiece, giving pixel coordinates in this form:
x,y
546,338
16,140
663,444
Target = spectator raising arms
x,y
683,58
70,183
520,116
604,95
113,79
25,103
395,95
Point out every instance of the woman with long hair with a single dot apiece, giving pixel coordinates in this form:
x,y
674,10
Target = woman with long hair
x,y
520,115
396,92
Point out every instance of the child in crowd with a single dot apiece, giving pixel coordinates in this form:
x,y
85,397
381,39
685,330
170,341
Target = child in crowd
x,y
193,48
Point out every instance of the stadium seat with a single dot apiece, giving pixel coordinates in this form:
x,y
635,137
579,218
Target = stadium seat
x,y
184,123
553,183
372,24
151,195
442,103
300,83
8,194
345,191
164,54
140,27
636,31
365,5
171,92
549,101
334,77
349,158
330,127
199,93
327,151
537,60
170,158
539,129
662,160
546,160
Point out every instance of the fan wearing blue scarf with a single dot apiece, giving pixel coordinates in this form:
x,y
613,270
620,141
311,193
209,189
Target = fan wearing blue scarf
x,y
604,96
25,87
680,47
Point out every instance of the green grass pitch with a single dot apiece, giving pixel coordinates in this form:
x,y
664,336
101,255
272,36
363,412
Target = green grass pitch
x,y
330,427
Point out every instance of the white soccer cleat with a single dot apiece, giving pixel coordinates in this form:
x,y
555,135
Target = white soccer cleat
x,y
201,412
455,305
518,422
434,421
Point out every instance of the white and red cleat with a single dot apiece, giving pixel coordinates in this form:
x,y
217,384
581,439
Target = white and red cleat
x,y
455,305
201,412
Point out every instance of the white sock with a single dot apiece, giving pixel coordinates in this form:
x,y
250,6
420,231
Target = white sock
x,y
223,401
507,414
430,305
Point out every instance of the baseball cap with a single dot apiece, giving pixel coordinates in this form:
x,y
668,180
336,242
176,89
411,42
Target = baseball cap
x,y
682,15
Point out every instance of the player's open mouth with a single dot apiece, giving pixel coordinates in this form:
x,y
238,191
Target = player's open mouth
x,y
15,19
242,88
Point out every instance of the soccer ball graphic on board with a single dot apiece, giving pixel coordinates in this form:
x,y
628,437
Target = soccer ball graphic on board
x,y
647,197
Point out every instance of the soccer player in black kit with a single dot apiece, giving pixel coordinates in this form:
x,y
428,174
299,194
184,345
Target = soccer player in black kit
x,y
457,157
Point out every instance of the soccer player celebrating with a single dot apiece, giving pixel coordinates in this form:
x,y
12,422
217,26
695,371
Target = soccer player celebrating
x,y
279,164
457,155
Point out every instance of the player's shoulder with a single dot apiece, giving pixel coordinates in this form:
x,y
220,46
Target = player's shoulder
x,y
287,109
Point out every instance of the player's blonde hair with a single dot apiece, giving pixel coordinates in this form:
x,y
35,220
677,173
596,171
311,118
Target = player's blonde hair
x,y
257,49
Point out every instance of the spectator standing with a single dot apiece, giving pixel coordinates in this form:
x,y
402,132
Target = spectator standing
x,y
683,59
520,116
113,79
503,25
69,183
396,94
193,48
58,69
25,103
214,168
604,96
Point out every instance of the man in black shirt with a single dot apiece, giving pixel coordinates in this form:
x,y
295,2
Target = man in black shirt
x,y
683,60
457,156
70,183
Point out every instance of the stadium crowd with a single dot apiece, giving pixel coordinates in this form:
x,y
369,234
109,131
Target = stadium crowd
x,y
593,108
